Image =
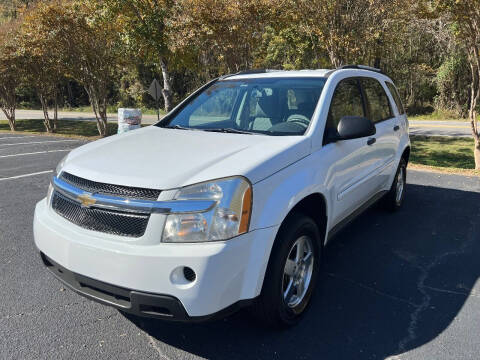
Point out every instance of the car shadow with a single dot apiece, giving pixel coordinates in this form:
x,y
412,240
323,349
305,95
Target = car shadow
x,y
390,283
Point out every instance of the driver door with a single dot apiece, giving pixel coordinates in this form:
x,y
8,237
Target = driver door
x,y
353,161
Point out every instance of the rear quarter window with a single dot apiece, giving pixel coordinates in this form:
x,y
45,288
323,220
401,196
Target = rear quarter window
x,y
396,97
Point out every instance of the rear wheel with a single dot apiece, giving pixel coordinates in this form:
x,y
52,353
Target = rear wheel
x,y
396,195
291,274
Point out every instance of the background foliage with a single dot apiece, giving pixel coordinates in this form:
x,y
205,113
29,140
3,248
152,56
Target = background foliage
x,y
75,53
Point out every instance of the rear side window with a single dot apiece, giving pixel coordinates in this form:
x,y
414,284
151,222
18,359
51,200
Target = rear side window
x,y
377,100
346,101
396,97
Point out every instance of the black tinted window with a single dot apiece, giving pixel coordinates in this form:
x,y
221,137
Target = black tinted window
x,y
346,101
396,97
377,100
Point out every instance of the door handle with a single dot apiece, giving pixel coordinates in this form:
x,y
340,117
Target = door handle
x,y
371,141
396,128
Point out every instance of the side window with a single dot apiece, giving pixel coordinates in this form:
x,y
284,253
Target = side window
x,y
377,100
346,101
396,97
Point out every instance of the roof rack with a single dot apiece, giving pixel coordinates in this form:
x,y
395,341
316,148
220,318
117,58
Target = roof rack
x,y
247,72
224,76
256,71
360,67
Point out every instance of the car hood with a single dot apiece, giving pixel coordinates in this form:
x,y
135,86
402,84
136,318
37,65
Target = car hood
x,y
163,159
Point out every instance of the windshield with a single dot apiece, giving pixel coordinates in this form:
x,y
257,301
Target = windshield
x,y
271,106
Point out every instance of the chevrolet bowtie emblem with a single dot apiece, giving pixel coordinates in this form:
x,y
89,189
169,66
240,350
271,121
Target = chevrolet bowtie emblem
x,y
86,200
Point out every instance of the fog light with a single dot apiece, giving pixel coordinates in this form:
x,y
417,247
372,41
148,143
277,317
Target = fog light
x,y
183,277
189,274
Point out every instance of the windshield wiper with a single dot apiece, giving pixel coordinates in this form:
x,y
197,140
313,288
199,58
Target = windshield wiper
x,y
231,131
178,127
221,130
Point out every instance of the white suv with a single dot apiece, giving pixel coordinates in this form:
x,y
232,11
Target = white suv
x,y
230,199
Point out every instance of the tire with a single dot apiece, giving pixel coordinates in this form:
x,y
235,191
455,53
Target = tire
x,y
277,307
395,197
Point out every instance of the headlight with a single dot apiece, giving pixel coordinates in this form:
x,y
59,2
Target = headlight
x,y
60,165
229,218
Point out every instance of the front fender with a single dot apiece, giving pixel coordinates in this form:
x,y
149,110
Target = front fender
x,y
275,196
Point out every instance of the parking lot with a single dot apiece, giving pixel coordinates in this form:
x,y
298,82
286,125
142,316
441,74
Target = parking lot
x,y
404,283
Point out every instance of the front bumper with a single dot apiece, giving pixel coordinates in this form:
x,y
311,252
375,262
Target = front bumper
x,y
227,272
130,301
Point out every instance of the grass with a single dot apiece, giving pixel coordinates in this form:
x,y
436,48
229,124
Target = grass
x,y
443,152
68,128
444,170
113,110
438,115
87,109
110,110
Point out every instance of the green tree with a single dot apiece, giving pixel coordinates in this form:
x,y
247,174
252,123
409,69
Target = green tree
x,y
144,29
41,57
450,80
224,34
76,38
289,48
92,51
464,16
10,72
13,9
351,31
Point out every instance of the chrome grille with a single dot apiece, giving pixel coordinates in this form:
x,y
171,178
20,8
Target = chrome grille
x,y
110,189
106,221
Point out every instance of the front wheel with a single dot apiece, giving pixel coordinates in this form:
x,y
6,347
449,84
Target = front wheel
x,y
291,274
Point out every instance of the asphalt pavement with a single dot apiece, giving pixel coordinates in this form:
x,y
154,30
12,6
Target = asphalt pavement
x,y
441,128
395,286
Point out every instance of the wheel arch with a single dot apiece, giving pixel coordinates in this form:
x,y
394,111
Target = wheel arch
x,y
406,154
313,206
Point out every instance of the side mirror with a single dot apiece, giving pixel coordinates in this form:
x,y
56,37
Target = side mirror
x,y
354,127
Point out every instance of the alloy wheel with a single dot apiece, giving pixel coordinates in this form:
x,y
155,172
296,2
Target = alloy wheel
x,y
400,185
298,271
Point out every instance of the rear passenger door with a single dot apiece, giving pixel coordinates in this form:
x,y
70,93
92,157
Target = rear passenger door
x,y
380,112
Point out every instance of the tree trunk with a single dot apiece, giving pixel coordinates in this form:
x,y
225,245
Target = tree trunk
x,y
167,85
334,59
100,114
55,112
10,115
476,152
70,94
103,116
47,122
474,96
